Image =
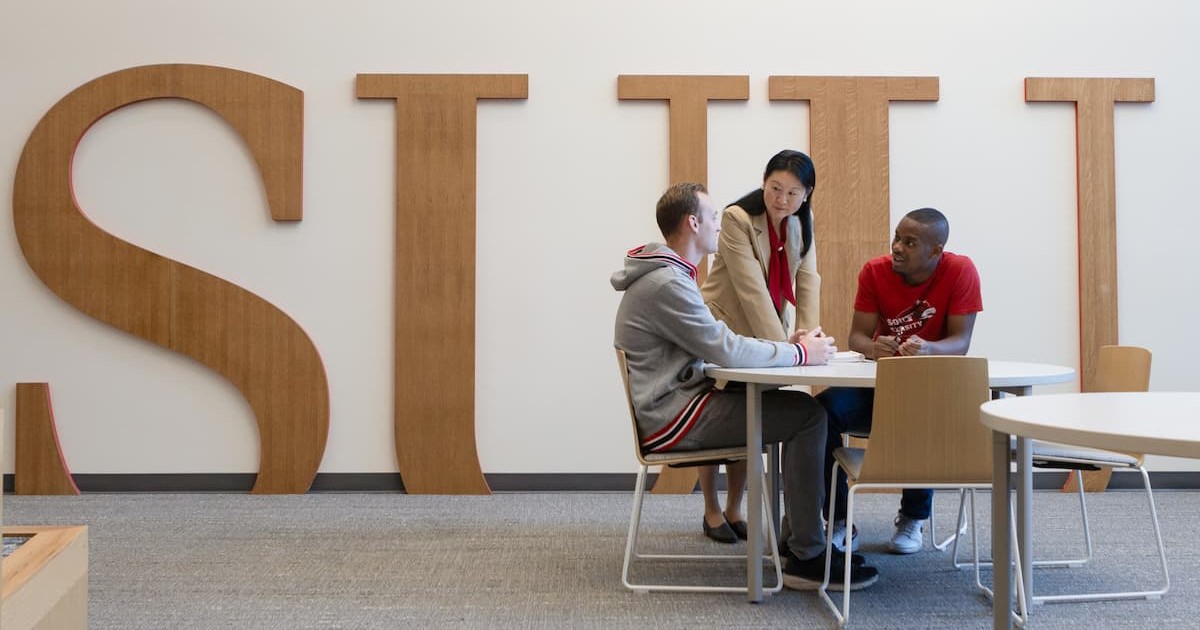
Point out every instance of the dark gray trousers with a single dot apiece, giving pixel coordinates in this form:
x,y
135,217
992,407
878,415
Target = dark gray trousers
x,y
797,421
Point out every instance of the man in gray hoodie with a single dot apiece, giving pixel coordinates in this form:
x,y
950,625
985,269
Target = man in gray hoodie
x,y
668,334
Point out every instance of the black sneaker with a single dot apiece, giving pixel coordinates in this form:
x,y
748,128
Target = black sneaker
x,y
808,575
856,560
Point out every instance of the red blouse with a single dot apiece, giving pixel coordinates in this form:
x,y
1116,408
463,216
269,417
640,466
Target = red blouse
x,y
779,285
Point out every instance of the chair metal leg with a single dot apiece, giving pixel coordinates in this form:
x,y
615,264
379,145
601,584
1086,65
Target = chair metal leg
x,y
1084,597
1116,595
775,486
1020,617
1073,562
773,535
823,589
1087,530
1087,534
842,612
631,551
635,518
960,522
975,560
846,565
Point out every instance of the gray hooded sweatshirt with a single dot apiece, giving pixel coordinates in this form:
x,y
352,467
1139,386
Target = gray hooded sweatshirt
x,y
668,334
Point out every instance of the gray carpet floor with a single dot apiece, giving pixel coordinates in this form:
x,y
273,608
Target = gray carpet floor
x,y
552,560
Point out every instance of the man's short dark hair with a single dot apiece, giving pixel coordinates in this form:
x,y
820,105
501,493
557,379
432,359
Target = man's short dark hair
x,y
679,201
933,219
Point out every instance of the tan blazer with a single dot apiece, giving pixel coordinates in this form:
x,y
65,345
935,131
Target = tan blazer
x,y
736,288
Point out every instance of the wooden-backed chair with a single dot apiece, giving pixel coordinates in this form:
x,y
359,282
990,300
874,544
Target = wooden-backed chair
x,y
925,433
1118,369
684,458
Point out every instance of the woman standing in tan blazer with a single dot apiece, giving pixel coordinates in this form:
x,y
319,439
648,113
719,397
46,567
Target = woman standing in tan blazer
x,y
763,283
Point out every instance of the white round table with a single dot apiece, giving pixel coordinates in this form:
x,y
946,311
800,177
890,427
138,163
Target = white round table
x,y
1160,423
1013,377
1008,376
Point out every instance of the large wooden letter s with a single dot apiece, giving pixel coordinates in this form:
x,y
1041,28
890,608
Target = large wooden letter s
x,y
261,350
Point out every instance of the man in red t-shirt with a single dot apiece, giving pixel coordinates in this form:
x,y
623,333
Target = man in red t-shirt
x,y
918,300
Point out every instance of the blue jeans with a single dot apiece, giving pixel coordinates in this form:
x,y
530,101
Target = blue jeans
x,y
849,409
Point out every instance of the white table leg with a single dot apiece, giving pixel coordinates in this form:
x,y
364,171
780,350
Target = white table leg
x,y
1001,545
1024,459
1025,511
754,469
1025,505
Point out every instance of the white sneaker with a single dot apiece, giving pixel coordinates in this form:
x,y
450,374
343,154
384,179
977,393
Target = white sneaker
x,y
907,538
839,537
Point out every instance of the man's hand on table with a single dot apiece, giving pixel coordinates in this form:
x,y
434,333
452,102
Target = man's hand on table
x,y
914,346
886,346
817,346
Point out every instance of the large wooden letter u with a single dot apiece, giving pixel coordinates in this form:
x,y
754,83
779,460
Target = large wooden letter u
x,y
435,272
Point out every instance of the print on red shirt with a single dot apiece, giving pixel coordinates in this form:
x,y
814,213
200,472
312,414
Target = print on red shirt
x,y
910,320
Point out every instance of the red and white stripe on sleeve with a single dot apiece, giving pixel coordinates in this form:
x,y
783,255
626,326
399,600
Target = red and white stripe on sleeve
x,y
801,355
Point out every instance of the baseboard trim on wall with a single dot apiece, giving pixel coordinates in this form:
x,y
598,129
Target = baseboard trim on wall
x,y
500,482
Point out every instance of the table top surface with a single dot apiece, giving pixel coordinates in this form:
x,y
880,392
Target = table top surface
x,y
862,374
1159,423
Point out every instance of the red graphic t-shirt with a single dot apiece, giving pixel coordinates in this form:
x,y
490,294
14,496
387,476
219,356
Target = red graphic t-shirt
x,y
906,310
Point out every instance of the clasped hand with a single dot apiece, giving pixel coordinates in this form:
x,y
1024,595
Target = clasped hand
x,y
886,346
818,347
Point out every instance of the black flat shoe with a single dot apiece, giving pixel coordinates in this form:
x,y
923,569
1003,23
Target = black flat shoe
x,y
739,529
722,533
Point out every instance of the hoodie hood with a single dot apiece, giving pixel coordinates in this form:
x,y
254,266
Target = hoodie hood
x,y
640,261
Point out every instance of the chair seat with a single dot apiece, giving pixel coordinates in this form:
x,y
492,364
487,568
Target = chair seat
x,y
851,460
735,453
1054,452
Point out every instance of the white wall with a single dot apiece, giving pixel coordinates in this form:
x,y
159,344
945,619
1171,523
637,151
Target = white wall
x,y
566,183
